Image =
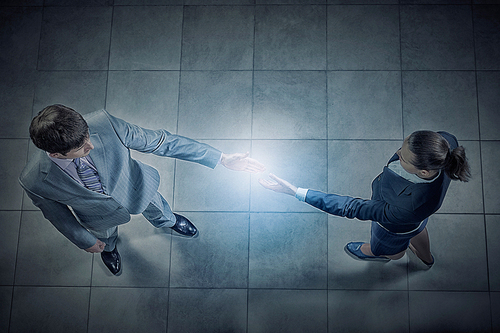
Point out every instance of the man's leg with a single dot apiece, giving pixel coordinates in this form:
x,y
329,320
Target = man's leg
x,y
366,249
108,236
159,214
110,256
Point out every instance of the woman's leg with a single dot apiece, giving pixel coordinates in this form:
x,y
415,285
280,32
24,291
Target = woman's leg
x,y
421,246
366,249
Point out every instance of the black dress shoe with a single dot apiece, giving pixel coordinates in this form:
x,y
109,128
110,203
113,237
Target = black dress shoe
x,y
184,226
112,260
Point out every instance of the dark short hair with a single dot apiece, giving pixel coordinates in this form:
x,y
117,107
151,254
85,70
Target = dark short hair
x,y
58,129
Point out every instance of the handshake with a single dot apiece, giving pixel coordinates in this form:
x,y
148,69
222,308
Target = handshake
x,y
242,162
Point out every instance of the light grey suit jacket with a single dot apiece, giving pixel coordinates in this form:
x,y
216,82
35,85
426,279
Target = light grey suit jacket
x,y
129,184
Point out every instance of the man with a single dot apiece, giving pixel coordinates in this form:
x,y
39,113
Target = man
x,y
86,184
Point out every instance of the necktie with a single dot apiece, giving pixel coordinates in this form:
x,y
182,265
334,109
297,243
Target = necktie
x,y
88,176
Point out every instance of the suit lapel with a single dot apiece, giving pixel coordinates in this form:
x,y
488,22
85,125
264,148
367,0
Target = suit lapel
x,y
57,179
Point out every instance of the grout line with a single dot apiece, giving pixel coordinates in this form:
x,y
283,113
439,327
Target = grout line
x,y
251,149
481,166
402,137
327,128
175,167
15,270
109,58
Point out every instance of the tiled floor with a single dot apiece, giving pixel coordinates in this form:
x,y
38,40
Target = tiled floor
x,y
323,94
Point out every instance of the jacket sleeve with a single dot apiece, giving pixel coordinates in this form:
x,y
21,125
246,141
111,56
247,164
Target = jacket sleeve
x,y
63,220
162,143
362,209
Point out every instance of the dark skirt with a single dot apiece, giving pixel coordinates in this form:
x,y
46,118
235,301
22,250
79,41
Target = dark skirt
x,y
385,242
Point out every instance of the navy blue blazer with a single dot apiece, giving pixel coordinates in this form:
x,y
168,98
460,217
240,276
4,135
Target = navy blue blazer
x,y
396,203
129,184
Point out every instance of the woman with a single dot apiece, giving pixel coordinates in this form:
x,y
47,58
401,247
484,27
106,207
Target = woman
x,y
410,189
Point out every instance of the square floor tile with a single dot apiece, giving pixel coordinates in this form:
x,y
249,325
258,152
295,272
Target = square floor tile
x,y
490,160
488,90
363,2
11,195
492,236
289,105
301,162
218,2
6,302
435,2
144,98
466,197
216,105
9,224
19,37
381,311
449,312
212,310
436,37
495,311
290,38
288,250
78,2
145,253
16,93
363,38
47,258
217,257
216,38
146,37
348,170
345,272
439,100
287,311
198,188
147,2
83,91
50,309
75,38
128,310
364,105
460,256
22,3
487,35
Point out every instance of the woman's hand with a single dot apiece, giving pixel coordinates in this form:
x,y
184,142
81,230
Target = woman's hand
x,y
278,185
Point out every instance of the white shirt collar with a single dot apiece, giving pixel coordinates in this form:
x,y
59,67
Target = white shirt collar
x,y
396,167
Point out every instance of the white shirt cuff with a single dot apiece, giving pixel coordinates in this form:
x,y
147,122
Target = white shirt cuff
x,y
301,194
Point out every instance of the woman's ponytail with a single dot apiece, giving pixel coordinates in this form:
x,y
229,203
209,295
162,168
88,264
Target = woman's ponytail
x,y
457,166
432,152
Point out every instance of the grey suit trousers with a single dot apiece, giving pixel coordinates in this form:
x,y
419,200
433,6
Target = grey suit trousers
x,y
158,213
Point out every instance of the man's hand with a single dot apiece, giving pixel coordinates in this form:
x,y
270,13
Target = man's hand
x,y
241,162
278,185
98,247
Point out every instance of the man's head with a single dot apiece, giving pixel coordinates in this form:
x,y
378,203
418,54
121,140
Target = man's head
x,y
61,131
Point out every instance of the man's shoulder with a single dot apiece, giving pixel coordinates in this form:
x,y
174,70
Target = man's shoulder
x,y
96,116
38,165
99,121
